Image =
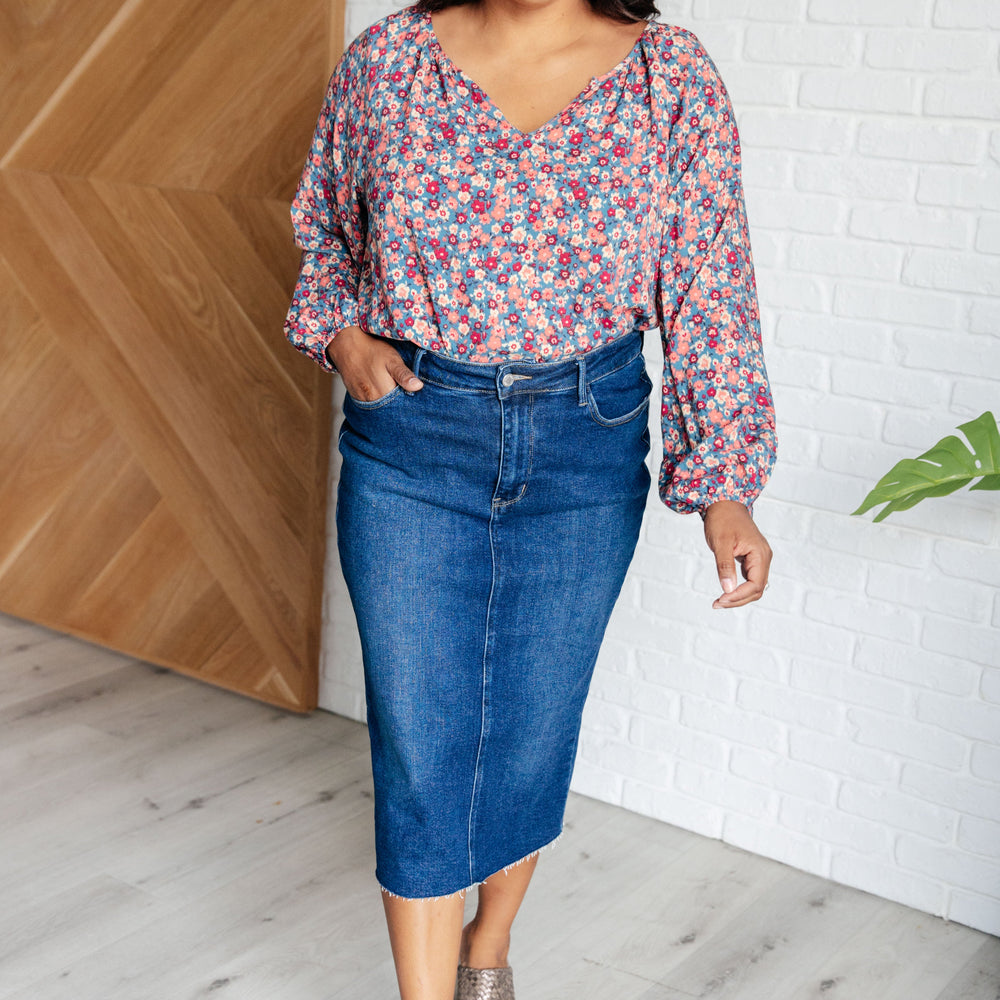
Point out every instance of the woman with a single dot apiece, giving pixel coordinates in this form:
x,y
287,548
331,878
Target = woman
x,y
500,197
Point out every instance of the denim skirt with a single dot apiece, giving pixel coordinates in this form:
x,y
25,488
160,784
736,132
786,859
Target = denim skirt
x,y
485,525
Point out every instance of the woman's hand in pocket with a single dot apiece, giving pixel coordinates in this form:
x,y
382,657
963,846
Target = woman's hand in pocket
x,y
370,366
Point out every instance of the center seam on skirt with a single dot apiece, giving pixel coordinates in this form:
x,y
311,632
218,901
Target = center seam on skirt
x,y
477,775
486,650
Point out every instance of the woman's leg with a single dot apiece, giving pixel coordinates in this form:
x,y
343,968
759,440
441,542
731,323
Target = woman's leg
x,y
486,938
424,935
428,940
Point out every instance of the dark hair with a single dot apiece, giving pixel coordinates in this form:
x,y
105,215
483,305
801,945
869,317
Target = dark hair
x,y
618,10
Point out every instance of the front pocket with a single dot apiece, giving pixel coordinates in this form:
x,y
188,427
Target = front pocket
x,y
374,404
621,395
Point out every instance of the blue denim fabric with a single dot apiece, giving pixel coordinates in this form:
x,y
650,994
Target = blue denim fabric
x,y
485,525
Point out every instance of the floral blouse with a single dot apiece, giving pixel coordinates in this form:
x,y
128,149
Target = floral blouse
x,y
424,215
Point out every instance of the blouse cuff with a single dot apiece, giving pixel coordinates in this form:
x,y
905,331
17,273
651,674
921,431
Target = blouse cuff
x,y
694,494
321,307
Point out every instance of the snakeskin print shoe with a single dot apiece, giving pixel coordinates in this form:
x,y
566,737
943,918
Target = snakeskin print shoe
x,y
484,984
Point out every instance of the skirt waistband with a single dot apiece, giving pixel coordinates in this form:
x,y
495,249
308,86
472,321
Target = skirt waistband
x,y
508,378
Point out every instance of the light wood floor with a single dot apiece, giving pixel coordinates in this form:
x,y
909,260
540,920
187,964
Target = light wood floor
x,y
164,840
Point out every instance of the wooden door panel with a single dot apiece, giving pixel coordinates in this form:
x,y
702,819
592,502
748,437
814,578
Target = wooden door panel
x,y
41,45
164,449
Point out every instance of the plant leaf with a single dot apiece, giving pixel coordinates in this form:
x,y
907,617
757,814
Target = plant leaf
x,y
945,468
987,483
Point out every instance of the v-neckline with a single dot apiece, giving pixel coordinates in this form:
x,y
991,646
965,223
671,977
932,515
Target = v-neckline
x,y
595,81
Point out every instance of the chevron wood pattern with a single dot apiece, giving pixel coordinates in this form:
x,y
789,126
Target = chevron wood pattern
x,y
163,449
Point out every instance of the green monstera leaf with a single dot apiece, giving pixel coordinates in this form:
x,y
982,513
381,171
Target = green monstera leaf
x,y
947,467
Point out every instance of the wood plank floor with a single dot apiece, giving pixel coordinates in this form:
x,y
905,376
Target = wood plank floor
x,y
161,839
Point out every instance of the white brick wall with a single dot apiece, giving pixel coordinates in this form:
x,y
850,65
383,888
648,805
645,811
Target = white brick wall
x,y
849,724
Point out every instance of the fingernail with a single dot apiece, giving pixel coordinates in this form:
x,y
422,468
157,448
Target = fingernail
x,y
728,585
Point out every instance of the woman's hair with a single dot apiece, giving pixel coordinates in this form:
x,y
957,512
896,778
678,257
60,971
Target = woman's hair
x,y
617,10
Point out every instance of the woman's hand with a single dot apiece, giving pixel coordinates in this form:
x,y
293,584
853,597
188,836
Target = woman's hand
x,y
734,538
370,366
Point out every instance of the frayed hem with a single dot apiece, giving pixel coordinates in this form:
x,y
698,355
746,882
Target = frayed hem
x,y
534,854
429,899
461,892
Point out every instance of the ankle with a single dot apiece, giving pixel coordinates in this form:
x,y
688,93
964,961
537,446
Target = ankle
x,y
482,948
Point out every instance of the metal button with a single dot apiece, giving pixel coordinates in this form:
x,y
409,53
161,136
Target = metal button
x,y
508,380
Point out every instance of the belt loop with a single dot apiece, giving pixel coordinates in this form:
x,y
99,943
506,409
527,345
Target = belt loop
x,y
581,385
420,352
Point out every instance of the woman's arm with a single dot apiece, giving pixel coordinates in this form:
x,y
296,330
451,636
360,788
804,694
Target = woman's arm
x,y
717,410
329,217
330,222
